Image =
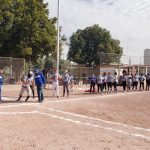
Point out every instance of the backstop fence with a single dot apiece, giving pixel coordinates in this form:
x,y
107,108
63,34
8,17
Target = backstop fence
x,y
13,69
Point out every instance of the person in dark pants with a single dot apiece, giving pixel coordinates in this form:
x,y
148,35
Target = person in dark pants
x,y
148,82
129,82
92,83
110,80
100,81
141,80
124,81
66,80
115,82
39,82
135,79
105,82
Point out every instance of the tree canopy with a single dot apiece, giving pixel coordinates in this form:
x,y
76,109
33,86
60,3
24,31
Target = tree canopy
x,y
87,45
26,30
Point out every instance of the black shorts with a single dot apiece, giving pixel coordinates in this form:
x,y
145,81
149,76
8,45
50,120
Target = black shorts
x,y
135,83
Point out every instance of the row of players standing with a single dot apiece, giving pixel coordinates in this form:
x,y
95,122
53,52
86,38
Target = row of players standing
x,y
105,82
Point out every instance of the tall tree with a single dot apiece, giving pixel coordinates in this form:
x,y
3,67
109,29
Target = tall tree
x,y
6,21
31,34
87,45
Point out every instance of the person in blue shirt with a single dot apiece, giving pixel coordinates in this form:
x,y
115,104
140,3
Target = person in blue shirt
x,y
39,82
1,83
92,83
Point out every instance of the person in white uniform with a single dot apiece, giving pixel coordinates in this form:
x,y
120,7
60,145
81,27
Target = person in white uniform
x,y
25,87
110,80
115,82
129,82
55,83
135,79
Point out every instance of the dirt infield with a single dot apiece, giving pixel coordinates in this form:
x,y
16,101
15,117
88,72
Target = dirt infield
x,y
81,122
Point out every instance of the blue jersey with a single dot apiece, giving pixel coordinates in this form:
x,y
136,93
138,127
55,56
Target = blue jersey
x,y
93,79
1,80
39,79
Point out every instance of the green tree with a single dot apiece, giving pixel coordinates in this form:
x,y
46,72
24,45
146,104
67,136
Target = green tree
x,y
6,21
26,31
87,45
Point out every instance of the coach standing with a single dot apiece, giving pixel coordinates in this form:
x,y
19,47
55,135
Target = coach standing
x,y
40,82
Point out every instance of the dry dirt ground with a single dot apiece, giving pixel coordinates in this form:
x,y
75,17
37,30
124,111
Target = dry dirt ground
x,y
81,122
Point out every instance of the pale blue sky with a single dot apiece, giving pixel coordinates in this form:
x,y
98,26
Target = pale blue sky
x,y
127,20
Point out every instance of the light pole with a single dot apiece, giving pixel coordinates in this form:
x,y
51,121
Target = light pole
x,y
58,8
58,37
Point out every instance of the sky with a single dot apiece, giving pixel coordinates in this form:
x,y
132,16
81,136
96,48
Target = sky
x,y
127,20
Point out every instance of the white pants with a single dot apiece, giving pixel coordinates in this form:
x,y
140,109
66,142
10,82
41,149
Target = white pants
x,y
27,89
55,89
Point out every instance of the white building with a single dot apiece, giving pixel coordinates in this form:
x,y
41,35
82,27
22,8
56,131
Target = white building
x,y
147,57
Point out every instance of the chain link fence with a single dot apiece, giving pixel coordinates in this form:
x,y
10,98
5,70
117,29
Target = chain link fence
x,y
13,69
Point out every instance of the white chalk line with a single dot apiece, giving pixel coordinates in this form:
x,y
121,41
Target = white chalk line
x,y
58,101
72,100
78,122
95,119
86,98
97,126
18,113
78,99
17,105
93,97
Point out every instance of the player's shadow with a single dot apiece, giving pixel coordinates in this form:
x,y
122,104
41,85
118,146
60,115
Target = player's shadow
x,y
17,102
